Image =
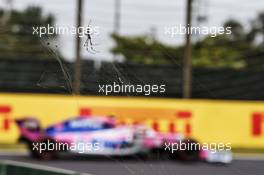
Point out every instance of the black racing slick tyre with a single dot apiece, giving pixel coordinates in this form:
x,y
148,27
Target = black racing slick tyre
x,y
191,153
39,149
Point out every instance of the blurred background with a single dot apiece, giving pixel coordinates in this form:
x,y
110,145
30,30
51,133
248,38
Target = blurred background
x,y
132,44
222,77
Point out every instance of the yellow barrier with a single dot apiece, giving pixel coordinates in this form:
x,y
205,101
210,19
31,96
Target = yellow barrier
x,y
239,123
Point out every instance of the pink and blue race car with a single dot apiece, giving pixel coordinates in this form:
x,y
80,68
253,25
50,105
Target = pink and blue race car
x,y
95,135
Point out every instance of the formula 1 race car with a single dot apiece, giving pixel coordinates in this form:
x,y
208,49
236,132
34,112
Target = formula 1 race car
x,y
95,135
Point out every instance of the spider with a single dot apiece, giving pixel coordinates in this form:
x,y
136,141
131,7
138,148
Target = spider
x,y
88,42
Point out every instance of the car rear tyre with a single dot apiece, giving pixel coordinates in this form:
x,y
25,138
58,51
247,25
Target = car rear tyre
x,y
191,153
44,154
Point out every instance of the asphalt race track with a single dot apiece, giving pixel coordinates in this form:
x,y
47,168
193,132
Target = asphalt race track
x,y
139,166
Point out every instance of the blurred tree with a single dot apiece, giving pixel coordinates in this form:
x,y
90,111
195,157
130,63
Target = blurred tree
x,y
257,28
237,29
217,52
146,50
16,34
236,50
223,51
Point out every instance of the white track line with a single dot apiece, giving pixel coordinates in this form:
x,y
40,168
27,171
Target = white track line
x,y
40,167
